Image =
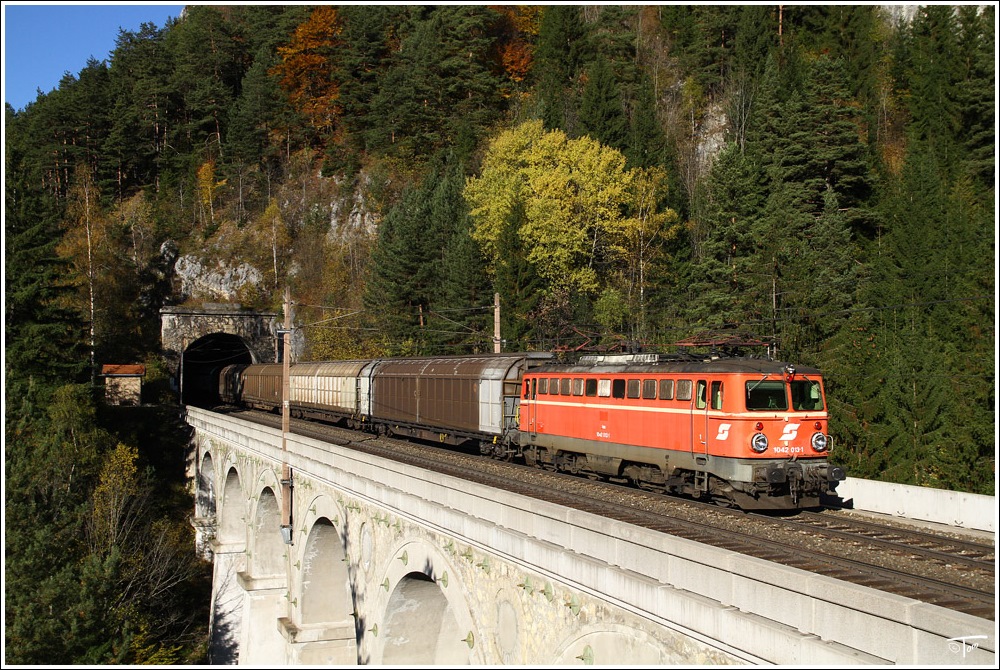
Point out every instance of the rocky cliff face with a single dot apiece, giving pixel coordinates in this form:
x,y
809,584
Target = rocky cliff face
x,y
236,262
200,280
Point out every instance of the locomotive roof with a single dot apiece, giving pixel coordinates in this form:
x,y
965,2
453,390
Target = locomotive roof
x,y
682,364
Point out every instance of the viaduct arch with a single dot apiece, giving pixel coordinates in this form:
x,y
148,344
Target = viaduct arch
x,y
316,574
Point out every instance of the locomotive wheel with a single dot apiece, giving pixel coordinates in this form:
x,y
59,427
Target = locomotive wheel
x,y
722,493
502,453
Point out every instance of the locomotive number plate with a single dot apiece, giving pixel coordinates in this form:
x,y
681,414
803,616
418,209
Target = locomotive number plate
x,y
789,450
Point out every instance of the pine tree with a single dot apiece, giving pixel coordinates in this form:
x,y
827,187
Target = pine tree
x,y
208,68
704,37
142,109
248,142
365,54
440,81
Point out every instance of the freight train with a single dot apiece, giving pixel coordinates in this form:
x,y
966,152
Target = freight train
x,y
744,432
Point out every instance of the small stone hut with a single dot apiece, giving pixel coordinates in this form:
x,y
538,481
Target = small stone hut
x,y
123,384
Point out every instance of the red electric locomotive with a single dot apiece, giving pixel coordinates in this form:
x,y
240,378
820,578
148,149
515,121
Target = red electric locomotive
x,y
742,431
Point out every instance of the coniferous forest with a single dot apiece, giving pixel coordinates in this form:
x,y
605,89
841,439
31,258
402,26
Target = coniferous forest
x,y
818,178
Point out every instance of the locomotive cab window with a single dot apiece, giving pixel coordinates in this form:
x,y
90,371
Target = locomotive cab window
x,y
591,387
699,400
716,395
806,395
766,395
543,386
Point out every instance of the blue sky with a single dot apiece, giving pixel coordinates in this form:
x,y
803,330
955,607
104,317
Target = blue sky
x,y
44,40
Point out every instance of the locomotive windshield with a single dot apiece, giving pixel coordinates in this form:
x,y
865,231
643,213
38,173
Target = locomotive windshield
x,y
764,395
806,395
767,395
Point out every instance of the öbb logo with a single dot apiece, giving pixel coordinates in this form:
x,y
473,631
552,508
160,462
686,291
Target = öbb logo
x,y
791,430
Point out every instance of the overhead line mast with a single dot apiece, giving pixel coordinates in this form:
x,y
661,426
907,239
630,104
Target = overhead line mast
x,y
286,470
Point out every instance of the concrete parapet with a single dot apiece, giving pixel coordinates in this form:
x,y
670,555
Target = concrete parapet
x,y
952,508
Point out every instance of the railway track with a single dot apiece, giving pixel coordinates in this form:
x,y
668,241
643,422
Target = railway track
x,y
946,549
955,574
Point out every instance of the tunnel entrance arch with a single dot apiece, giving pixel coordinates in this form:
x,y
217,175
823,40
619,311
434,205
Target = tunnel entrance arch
x,y
201,363
203,339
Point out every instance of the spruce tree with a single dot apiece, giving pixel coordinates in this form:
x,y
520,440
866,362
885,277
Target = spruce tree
x,y
727,283
42,336
601,113
458,292
933,83
976,93
519,285
562,52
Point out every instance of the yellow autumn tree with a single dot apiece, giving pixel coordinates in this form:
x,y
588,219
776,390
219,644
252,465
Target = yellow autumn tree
x,y
641,240
271,233
207,186
574,193
114,513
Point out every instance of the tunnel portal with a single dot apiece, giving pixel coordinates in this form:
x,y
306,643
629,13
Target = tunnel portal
x,y
198,342
201,363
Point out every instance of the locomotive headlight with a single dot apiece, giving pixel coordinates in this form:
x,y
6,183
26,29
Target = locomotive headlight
x,y
820,442
759,443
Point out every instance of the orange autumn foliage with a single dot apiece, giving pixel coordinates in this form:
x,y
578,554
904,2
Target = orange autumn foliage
x,y
515,46
307,68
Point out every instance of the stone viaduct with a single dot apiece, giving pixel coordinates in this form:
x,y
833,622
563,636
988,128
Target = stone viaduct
x,y
388,564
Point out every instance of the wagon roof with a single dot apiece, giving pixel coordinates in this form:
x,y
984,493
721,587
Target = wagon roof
x,y
351,368
462,367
